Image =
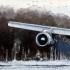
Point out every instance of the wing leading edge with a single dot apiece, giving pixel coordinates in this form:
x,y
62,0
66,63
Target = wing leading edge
x,y
34,27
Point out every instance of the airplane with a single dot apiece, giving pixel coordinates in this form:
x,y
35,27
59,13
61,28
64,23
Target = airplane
x,y
44,38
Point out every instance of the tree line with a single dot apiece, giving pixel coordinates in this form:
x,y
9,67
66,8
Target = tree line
x,y
24,40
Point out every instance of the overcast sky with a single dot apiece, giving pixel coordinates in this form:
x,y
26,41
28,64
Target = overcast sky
x,y
55,6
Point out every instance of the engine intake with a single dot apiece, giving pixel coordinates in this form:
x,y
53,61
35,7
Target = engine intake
x,y
43,39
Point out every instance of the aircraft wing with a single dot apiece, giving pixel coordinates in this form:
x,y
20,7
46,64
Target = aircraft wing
x,y
34,27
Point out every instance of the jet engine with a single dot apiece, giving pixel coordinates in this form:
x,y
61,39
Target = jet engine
x,y
43,39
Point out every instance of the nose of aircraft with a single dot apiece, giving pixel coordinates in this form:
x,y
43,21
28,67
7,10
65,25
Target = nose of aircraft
x,y
63,47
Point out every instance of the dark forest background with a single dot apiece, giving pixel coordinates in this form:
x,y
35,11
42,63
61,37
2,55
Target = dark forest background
x,y
23,40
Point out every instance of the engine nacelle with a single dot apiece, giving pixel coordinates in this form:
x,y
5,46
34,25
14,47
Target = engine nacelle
x,y
43,39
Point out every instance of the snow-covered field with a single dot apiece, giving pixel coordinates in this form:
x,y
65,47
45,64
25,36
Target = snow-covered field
x,y
35,65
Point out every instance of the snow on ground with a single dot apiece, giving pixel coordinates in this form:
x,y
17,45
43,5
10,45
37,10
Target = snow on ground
x,y
35,65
